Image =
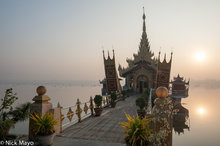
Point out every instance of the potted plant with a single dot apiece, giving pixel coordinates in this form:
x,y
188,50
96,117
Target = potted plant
x,y
44,128
128,92
141,103
98,103
113,99
132,91
137,131
123,92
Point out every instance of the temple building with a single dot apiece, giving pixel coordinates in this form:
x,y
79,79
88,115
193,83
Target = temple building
x,y
180,89
145,70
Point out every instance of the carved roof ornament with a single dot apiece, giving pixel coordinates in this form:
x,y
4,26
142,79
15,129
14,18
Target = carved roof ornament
x,y
108,55
165,62
180,80
113,53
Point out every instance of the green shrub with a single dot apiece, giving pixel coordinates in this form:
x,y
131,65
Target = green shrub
x,y
123,92
113,96
98,100
132,90
137,130
43,125
141,102
146,94
8,115
5,127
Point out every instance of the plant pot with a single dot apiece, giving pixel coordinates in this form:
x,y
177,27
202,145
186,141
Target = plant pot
x,y
141,113
98,111
146,143
45,140
113,104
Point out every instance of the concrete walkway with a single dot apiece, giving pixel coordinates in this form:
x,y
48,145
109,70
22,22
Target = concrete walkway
x,y
99,131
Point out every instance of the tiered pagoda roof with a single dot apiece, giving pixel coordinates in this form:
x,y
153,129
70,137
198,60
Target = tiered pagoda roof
x,y
144,55
179,80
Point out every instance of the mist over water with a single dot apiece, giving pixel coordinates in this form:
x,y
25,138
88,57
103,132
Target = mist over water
x,y
64,92
203,126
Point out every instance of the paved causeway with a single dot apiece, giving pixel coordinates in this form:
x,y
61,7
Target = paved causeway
x,y
99,131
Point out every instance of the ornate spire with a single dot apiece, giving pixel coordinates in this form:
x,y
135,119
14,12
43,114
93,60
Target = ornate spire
x,y
108,55
144,17
165,58
103,54
113,53
159,57
144,47
171,57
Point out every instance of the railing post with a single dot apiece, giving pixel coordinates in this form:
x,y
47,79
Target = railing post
x,y
78,110
91,106
41,106
61,116
103,99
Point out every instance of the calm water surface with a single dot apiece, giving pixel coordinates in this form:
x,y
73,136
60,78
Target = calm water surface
x,y
203,106
204,117
66,93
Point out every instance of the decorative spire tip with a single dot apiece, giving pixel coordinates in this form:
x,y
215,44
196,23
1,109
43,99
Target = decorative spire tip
x,y
144,14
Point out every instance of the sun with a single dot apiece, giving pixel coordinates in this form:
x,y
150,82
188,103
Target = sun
x,y
201,111
200,56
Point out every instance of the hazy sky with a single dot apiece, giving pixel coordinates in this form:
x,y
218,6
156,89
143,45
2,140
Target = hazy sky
x,y
62,40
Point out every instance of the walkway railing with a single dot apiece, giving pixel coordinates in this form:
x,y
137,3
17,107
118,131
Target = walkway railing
x,y
72,114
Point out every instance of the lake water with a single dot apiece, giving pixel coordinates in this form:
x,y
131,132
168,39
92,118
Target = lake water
x,y
204,116
64,92
202,104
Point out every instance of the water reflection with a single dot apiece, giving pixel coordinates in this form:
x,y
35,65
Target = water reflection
x,y
181,119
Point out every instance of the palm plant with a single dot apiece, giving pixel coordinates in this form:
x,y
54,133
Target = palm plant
x,y
44,125
137,130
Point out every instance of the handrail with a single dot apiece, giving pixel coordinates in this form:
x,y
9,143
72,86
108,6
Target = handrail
x,y
80,111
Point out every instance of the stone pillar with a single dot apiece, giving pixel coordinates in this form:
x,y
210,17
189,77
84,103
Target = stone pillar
x,y
41,106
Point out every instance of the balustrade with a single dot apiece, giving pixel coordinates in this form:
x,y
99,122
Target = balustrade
x,y
78,112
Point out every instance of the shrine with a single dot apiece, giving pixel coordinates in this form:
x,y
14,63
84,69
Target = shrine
x,y
180,89
145,70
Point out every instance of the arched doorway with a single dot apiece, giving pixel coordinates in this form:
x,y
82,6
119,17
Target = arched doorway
x,y
142,83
